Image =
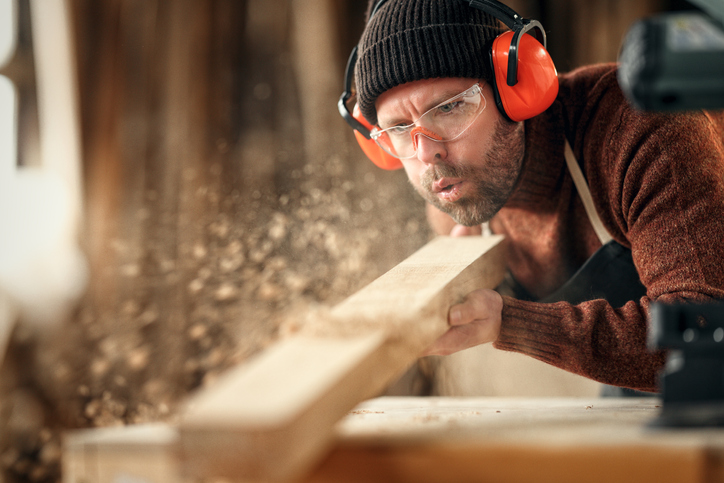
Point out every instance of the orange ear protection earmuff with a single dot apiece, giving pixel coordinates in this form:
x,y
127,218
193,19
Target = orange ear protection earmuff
x,y
525,78
375,153
525,81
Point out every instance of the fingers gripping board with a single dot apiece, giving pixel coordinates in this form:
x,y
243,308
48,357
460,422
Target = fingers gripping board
x,y
273,417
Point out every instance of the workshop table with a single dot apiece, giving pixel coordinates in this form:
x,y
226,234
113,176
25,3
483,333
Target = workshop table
x,y
518,440
430,439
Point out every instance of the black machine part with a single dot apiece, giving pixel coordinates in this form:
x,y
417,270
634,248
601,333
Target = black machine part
x,y
674,62
692,383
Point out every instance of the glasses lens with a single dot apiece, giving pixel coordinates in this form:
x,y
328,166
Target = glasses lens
x,y
448,121
451,118
397,142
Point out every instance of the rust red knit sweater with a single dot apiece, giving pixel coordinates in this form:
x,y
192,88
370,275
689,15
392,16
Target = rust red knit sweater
x,y
657,181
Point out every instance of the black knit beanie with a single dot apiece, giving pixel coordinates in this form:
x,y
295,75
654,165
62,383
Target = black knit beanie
x,y
408,40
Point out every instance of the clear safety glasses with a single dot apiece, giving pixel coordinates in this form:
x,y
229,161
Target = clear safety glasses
x,y
443,123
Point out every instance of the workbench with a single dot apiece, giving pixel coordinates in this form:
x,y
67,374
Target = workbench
x,y
518,440
443,439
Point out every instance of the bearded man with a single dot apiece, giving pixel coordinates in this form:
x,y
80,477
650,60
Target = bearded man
x,y
433,93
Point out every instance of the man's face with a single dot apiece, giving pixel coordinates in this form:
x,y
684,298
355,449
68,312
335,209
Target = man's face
x,y
471,177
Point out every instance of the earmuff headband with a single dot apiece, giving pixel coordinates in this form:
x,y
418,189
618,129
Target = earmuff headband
x,y
498,10
517,24
515,43
375,8
349,74
342,104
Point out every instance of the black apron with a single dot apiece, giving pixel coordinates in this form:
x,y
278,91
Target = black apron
x,y
609,274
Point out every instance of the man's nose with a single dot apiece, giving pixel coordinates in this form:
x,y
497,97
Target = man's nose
x,y
428,145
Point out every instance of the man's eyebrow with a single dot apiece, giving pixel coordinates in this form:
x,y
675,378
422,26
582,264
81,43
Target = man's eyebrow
x,y
439,99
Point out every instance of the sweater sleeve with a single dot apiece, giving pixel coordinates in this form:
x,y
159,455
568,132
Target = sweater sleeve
x,y
591,339
658,184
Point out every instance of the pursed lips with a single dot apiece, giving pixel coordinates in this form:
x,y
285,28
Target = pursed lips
x,y
444,184
448,188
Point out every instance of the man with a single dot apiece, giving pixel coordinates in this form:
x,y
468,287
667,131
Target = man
x,y
656,182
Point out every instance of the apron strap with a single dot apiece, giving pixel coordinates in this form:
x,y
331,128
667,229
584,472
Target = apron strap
x,y
585,195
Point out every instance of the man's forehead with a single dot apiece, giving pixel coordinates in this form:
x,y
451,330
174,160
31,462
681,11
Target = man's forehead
x,y
417,96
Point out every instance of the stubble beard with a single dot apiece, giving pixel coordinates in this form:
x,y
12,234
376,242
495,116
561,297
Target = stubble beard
x,y
494,181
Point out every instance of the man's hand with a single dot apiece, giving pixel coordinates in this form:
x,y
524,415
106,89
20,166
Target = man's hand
x,y
473,322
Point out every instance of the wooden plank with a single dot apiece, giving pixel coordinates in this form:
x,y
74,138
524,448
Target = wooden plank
x,y
273,417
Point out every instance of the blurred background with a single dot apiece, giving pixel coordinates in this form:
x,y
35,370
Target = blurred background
x,y
221,196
